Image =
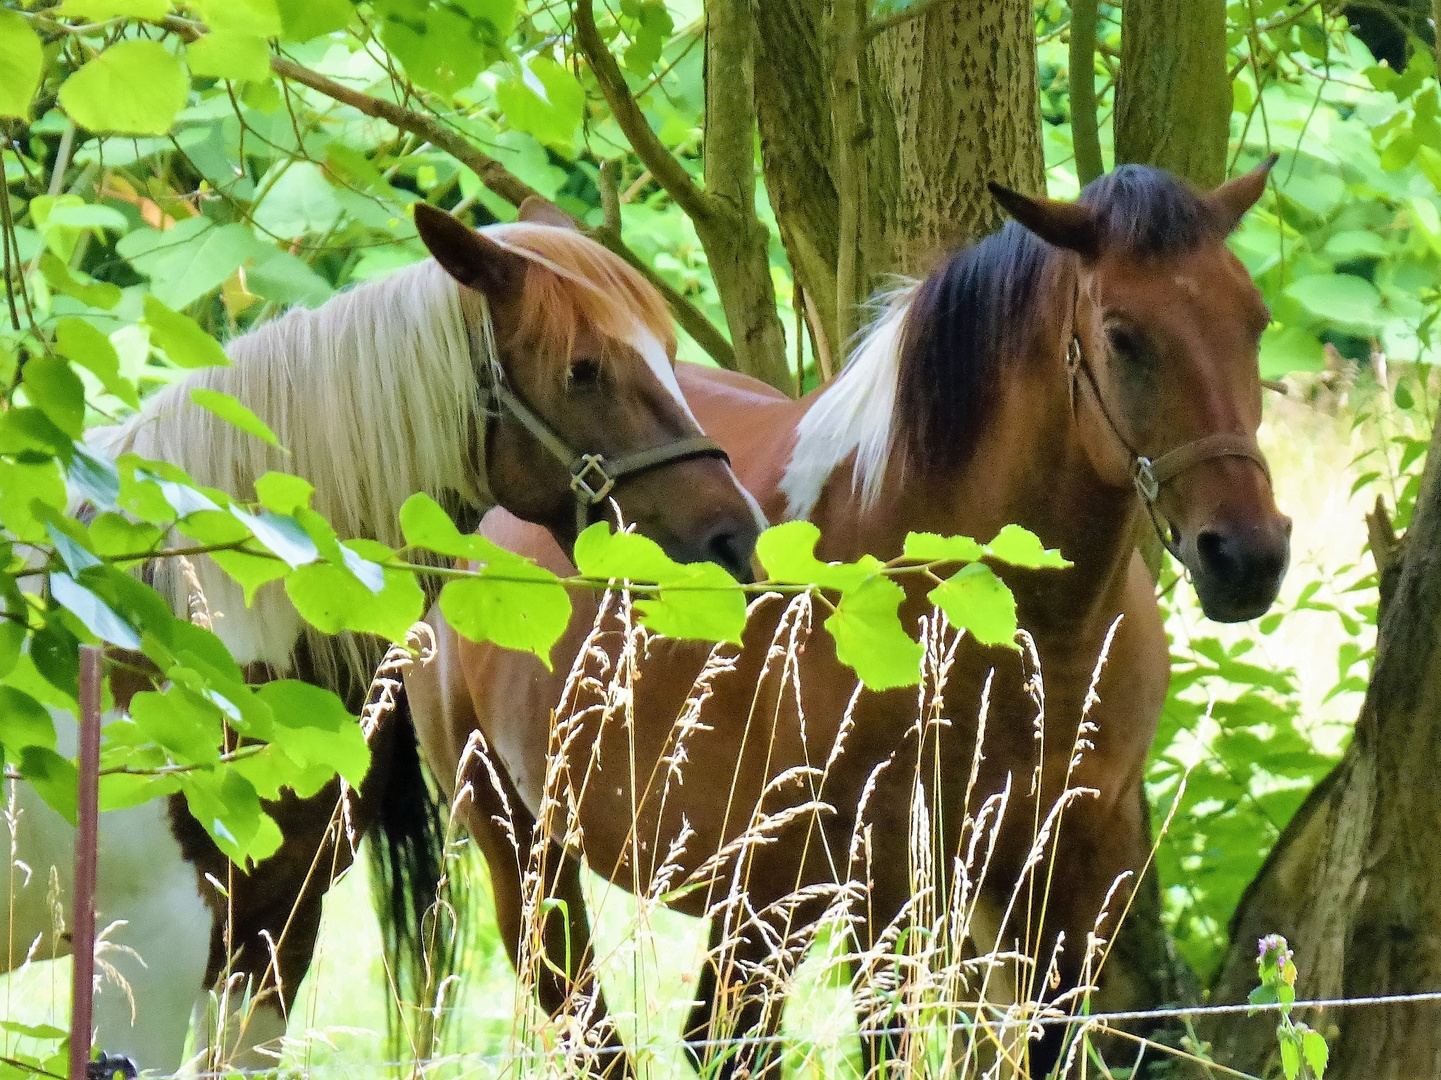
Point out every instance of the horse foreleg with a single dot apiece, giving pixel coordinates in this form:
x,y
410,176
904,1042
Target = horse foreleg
x,y
563,961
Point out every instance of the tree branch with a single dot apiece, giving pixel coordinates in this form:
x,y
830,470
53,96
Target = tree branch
x,y
512,189
492,173
848,19
1085,136
663,165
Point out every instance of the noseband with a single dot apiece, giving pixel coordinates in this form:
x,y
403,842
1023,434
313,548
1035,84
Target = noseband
x,y
593,476
1149,475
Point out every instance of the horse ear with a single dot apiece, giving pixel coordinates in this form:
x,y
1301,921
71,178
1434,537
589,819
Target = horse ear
x,y
470,257
544,212
1231,200
1064,224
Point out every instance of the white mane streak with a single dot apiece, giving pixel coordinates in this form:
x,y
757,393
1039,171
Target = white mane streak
x,y
854,415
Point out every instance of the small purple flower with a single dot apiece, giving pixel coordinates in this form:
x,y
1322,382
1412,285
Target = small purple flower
x,y
1273,947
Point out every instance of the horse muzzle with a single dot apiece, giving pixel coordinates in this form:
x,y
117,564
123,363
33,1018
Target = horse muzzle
x,y
1237,568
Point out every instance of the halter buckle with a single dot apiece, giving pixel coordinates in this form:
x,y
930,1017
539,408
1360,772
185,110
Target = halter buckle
x,y
1145,479
589,480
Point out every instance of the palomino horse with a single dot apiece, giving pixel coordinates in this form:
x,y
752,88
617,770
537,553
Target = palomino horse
x,y
522,364
1091,363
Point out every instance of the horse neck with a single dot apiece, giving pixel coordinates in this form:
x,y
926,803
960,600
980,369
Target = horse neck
x,y
1028,468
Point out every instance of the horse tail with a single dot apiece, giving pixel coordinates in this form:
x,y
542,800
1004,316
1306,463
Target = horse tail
x,y
420,929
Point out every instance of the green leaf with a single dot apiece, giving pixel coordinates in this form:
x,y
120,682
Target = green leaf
x,y
94,479
232,412
444,47
976,600
260,18
249,571
302,20
283,493
282,534
21,485
932,547
23,722
57,392
92,350
102,10
1343,299
188,727
98,616
189,260
425,525
528,615
787,551
21,59
1290,1055
543,100
226,804
53,777
132,88
1313,1045
227,55
331,599
184,342
313,727
76,557
869,636
1021,547
63,280
696,600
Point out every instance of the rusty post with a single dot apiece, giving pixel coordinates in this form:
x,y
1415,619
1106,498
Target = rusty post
x,y
87,813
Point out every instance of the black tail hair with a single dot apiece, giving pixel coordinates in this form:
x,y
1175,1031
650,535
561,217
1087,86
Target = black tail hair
x,y
421,936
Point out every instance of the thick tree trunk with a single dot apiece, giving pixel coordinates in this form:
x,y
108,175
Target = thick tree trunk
x,y
1352,881
1173,100
948,100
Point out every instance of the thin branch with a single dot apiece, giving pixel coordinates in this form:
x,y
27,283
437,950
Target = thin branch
x,y
663,165
610,194
848,18
1085,135
896,18
492,173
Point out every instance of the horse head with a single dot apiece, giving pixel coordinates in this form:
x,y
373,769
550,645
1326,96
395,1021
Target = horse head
x,y
590,420
1161,353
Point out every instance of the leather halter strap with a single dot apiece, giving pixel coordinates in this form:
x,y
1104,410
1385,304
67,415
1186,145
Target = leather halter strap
x,y
1148,474
593,476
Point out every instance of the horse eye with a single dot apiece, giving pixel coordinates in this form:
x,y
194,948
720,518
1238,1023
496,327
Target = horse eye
x,y
1123,343
585,374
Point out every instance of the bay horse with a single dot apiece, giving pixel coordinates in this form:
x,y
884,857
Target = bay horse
x,y
523,366
1090,363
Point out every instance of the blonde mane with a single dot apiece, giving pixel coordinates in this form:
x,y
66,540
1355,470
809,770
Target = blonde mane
x,y
380,393
854,415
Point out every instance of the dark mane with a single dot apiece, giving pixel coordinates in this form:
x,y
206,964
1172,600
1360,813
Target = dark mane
x,y
975,313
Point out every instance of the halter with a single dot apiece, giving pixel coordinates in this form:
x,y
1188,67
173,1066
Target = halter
x,y
593,476
1149,475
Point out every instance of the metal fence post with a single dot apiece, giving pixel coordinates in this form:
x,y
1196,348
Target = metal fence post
x,y
87,812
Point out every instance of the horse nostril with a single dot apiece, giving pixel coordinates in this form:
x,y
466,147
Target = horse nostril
x,y
1214,552
732,550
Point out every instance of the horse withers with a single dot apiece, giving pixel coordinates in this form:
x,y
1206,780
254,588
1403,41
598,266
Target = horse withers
x,y
524,366
1091,365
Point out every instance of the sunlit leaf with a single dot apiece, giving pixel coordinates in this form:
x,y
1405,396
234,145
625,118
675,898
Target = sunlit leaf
x,y
527,611
232,412
132,88
21,59
184,342
869,636
975,599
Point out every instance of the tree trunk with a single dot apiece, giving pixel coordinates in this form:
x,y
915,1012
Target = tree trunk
x,y
948,100
1173,99
1352,881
